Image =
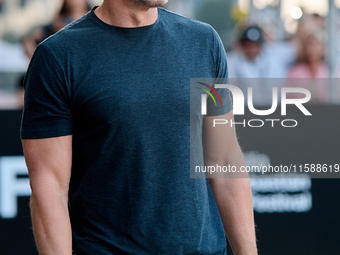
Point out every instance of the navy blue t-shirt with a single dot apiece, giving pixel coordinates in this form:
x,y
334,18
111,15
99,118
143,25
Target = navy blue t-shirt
x,y
124,95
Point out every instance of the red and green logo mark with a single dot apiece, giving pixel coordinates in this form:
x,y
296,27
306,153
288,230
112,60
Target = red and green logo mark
x,y
209,93
204,97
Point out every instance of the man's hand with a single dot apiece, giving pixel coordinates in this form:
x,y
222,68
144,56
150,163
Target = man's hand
x,y
49,165
231,190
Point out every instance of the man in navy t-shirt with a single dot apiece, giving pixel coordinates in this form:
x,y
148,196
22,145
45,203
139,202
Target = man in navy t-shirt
x,y
108,138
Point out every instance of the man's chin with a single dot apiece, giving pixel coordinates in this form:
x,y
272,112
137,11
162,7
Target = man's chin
x,y
151,3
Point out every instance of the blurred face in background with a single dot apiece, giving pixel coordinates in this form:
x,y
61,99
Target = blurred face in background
x,y
313,49
76,5
251,49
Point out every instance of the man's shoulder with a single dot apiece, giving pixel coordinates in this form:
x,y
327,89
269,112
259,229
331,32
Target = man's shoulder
x,y
71,34
185,23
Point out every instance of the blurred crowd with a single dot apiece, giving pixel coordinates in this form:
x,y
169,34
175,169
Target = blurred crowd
x,y
29,38
260,63
257,60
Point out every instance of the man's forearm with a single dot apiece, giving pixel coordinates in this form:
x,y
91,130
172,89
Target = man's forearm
x,y
234,201
235,207
51,222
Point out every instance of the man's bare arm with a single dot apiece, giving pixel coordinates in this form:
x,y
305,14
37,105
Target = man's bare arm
x,y
232,195
49,165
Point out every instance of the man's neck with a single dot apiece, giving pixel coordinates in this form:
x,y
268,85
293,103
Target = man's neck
x,y
126,13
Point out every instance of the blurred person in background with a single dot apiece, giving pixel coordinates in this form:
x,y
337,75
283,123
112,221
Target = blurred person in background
x,y
311,57
17,21
253,57
245,61
308,23
259,60
71,10
310,65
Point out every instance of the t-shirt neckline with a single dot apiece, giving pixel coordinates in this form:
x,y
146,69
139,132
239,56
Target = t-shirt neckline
x,y
124,30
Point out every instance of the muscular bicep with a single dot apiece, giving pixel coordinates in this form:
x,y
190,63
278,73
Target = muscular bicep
x,y
49,161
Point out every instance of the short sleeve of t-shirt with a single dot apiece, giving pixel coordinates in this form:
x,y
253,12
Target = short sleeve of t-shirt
x,y
47,111
221,77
